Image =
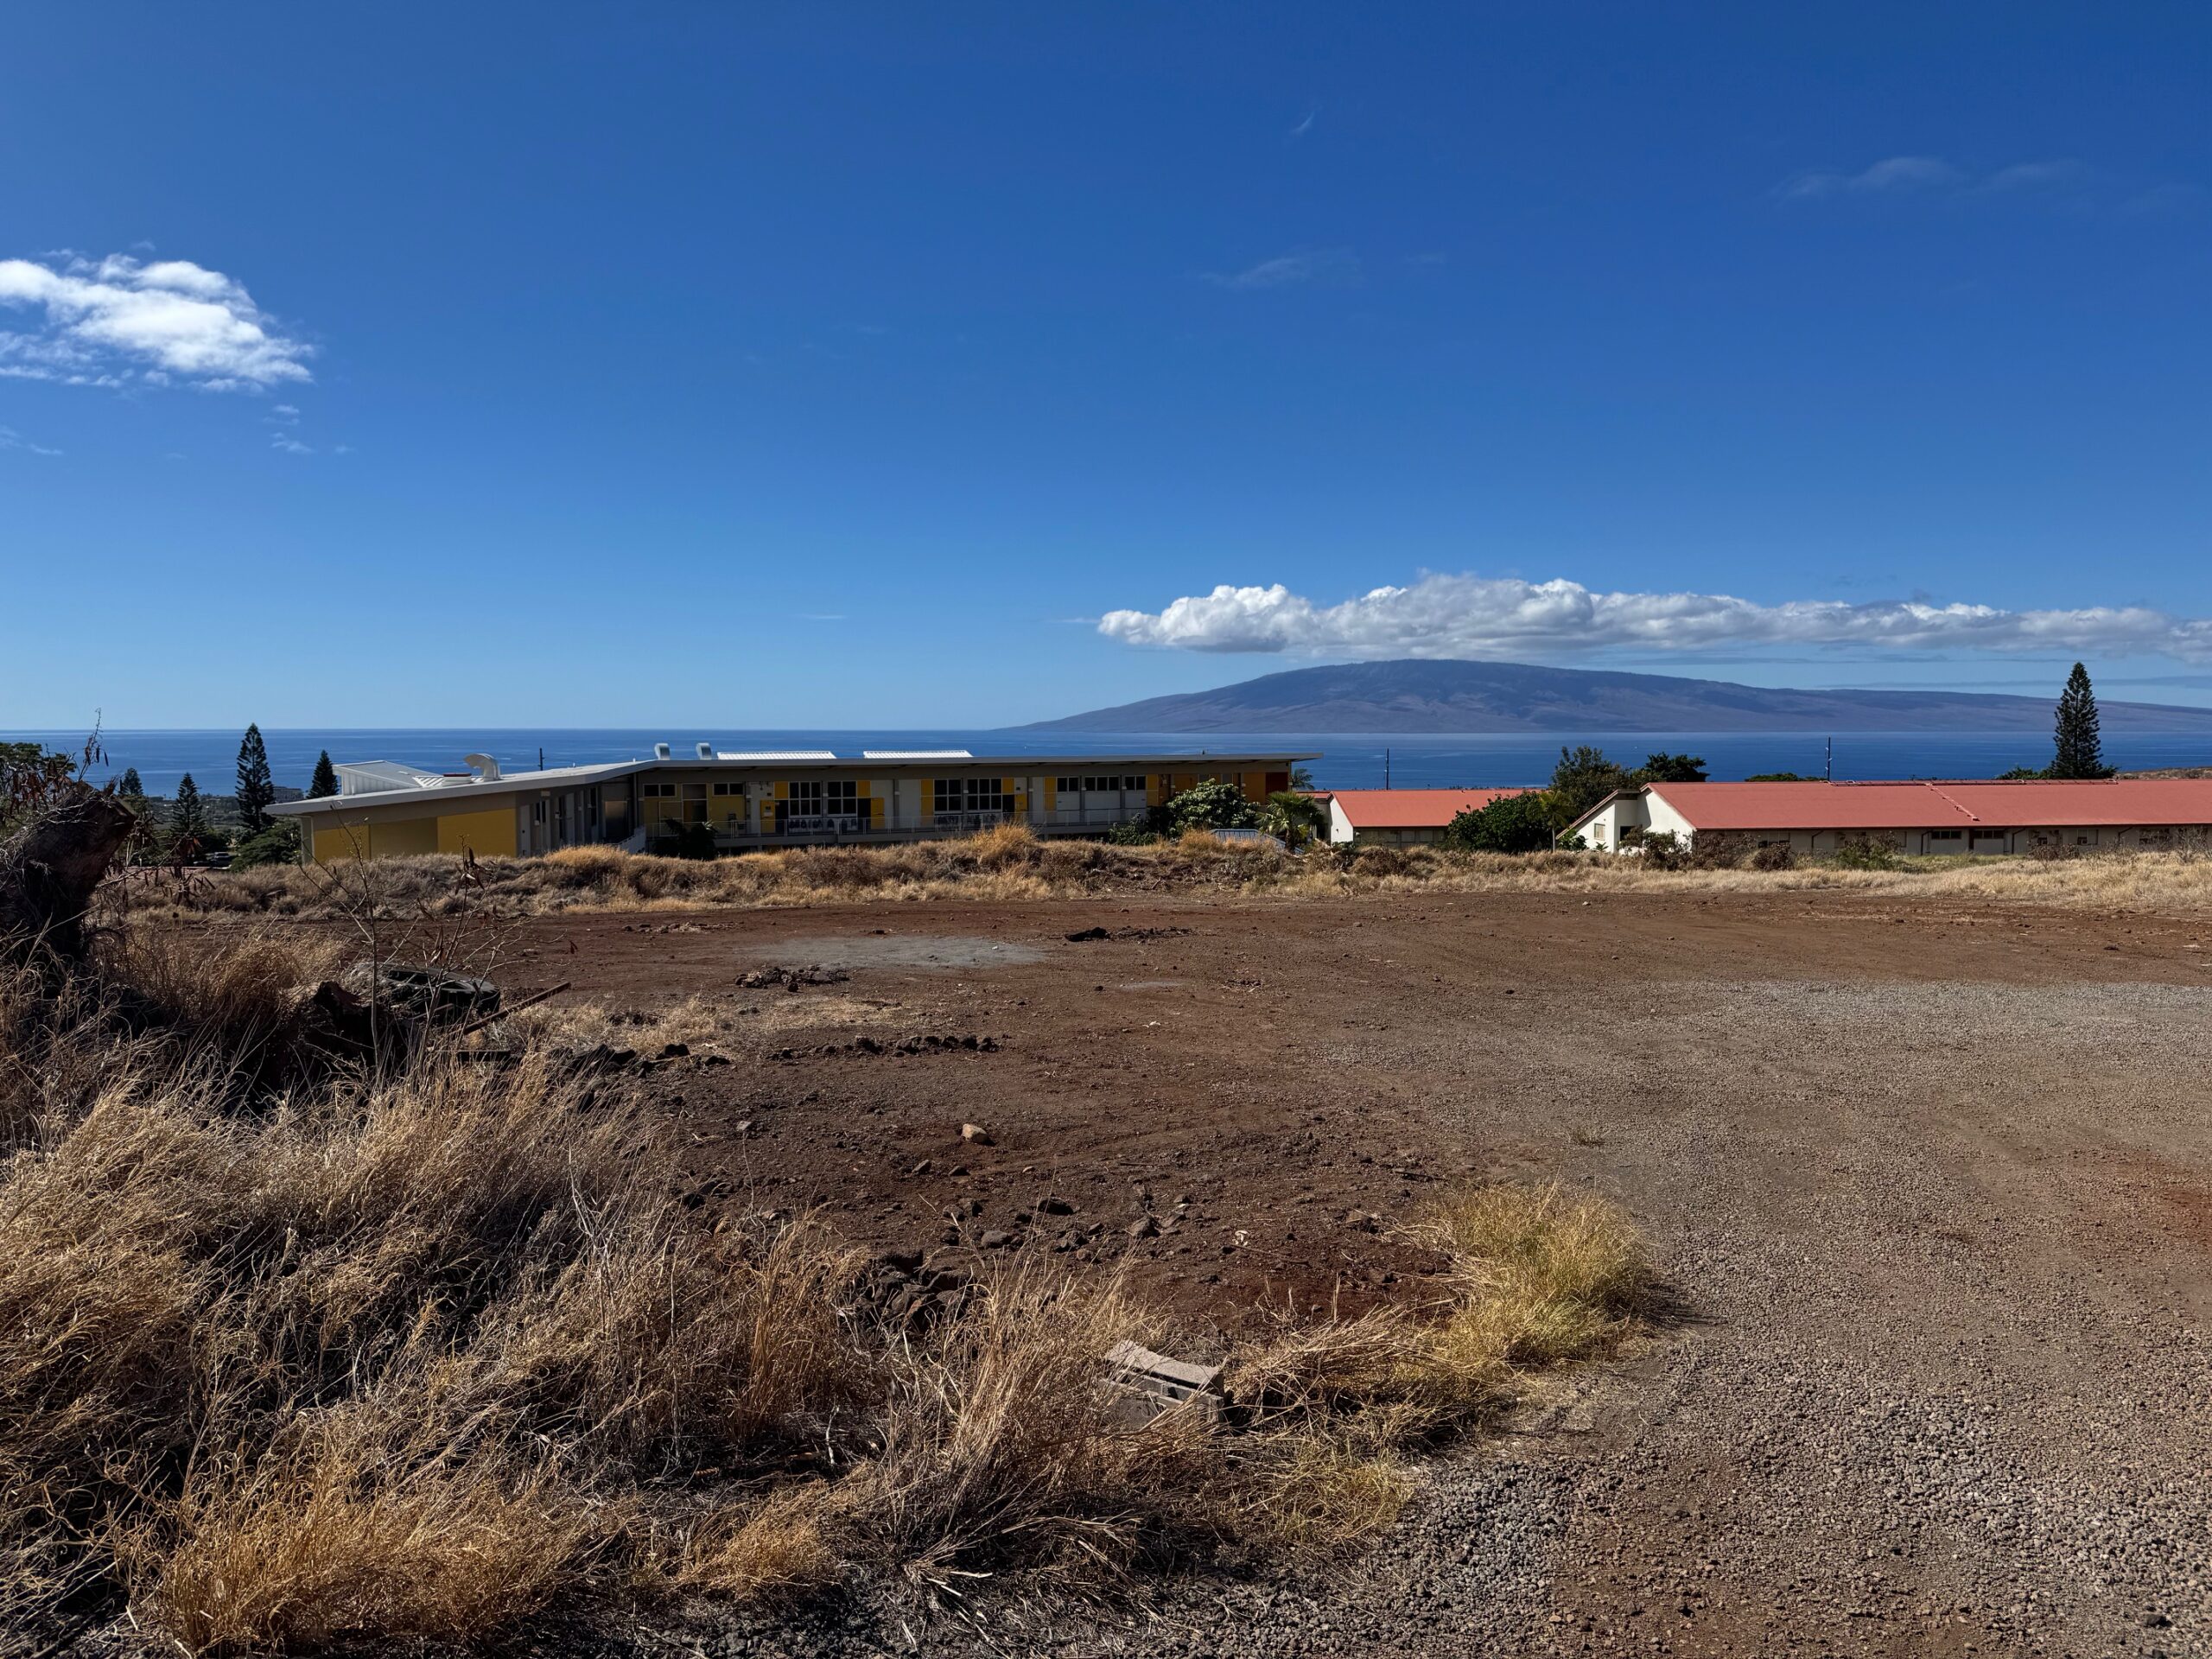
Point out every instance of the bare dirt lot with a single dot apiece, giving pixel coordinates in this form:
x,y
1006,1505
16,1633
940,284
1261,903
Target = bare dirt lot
x,y
1931,1182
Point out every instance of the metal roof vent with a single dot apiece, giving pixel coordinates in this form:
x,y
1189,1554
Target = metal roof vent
x,y
487,769
660,750
706,751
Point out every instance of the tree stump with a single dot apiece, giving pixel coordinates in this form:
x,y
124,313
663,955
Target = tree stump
x,y
48,869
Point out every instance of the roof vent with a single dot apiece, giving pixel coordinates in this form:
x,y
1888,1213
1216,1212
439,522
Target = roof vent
x,y
706,751
487,769
660,750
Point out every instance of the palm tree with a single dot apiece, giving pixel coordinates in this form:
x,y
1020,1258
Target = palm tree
x,y
1291,819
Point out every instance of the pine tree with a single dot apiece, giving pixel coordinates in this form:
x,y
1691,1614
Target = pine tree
x,y
129,788
325,781
188,819
2080,755
256,788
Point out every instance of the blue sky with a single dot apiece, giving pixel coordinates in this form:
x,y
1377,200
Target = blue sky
x,y
814,366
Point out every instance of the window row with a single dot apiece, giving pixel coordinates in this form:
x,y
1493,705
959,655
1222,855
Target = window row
x,y
1108,783
969,795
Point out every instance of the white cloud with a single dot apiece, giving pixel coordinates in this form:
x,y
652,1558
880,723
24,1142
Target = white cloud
x,y
1896,173
1447,616
1327,266
111,322
1932,176
2042,175
11,439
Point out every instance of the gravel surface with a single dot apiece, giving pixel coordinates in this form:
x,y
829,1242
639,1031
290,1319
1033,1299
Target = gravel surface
x,y
1931,1185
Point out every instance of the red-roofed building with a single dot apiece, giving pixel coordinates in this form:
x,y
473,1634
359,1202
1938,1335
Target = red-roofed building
x,y
1918,818
1400,817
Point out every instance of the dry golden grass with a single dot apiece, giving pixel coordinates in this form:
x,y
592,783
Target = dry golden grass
x,y
328,1542
778,1548
348,1359
1009,863
1545,1277
1001,1448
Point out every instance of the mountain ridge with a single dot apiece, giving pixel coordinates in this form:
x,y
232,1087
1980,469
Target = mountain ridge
x,y
1421,695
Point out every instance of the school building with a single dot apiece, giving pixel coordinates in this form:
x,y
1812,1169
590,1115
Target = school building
x,y
751,800
1919,819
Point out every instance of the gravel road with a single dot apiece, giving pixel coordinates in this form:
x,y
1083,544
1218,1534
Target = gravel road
x,y
1933,1192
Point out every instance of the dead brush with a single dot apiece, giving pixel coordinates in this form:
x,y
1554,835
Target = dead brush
x,y
232,1001
1003,1447
779,1549
344,1535
660,1343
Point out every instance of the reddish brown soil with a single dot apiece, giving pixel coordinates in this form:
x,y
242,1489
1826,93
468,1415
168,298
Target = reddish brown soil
x,y
1241,1061
1930,1182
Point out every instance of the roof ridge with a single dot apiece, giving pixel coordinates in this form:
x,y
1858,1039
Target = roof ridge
x,y
1956,805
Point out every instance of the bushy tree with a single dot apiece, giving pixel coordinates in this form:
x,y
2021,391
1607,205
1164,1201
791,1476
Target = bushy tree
x,y
256,789
2022,774
324,783
188,815
1780,778
1583,778
1511,823
1212,805
1670,769
278,844
2079,752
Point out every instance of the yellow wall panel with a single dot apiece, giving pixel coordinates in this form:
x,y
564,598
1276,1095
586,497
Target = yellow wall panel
x,y
340,841
488,834
403,837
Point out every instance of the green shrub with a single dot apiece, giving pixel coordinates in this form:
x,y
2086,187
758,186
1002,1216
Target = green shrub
x,y
1511,823
278,844
1212,805
1866,853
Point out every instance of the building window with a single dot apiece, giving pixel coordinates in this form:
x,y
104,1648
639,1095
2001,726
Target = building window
x,y
1945,834
1112,783
819,796
969,795
729,789
658,791
816,803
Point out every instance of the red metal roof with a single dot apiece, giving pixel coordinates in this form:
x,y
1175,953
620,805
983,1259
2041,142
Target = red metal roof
x,y
1940,804
1413,808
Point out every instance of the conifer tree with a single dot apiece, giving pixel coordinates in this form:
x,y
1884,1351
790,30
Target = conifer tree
x,y
188,819
325,781
129,787
2080,755
256,788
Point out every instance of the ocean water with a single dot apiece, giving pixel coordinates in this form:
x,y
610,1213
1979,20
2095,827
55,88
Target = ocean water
x,y
1343,760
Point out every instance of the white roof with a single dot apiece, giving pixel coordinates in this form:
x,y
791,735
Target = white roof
x,y
374,777
916,754
776,754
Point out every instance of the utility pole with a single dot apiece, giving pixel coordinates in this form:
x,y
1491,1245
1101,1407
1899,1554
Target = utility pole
x,y
1828,771
1386,768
